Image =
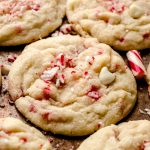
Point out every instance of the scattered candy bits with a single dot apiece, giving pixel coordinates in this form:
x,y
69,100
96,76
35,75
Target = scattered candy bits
x,y
136,64
93,93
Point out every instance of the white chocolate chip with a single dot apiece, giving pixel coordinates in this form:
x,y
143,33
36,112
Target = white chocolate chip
x,y
5,69
136,11
106,77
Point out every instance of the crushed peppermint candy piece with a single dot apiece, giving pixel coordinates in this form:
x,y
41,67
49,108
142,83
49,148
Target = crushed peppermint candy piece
x,y
90,59
61,59
11,58
146,111
49,74
86,75
93,93
69,63
136,64
66,28
116,7
46,92
32,108
24,139
100,124
62,79
45,115
57,83
145,145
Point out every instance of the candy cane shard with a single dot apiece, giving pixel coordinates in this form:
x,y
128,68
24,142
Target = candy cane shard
x,y
136,64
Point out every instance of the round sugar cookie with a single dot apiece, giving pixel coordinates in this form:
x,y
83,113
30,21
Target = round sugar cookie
x,y
71,85
24,21
123,24
16,135
132,135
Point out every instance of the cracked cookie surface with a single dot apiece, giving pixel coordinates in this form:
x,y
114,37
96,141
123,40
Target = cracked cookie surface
x,y
16,135
71,85
123,24
24,21
132,135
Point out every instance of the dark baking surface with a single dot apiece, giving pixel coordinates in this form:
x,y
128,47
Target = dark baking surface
x,y
7,107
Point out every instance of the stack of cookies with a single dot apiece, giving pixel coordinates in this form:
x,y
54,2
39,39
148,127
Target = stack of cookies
x,y
69,78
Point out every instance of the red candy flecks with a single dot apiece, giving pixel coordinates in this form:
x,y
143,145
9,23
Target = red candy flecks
x,y
116,7
93,93
11,58
61,59
24,139
66,28
146,36
32,108
46,92
90,59
19,29
144,145
45,115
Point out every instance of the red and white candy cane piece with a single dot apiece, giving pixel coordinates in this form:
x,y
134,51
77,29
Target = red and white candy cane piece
x,y
49,74
66,28
61,59
136,64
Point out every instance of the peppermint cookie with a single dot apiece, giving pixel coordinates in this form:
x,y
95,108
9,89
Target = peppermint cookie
x,y
71,85
123,24
24,21
16,135
132,135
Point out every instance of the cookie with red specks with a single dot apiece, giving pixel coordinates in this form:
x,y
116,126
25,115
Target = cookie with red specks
x,y
16,135
25,21
132,135
71,85
122,24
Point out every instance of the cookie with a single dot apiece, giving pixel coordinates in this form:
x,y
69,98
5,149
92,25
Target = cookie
x,y
132,135
16,135
24,21
71,85
123,24
148,77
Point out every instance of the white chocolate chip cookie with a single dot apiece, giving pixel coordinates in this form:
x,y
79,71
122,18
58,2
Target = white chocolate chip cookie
x,y
16,135
123,24
58,84
132,135
24,21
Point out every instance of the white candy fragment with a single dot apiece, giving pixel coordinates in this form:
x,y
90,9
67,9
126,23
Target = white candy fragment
x,y
66,28
106,77
49,74
147,146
